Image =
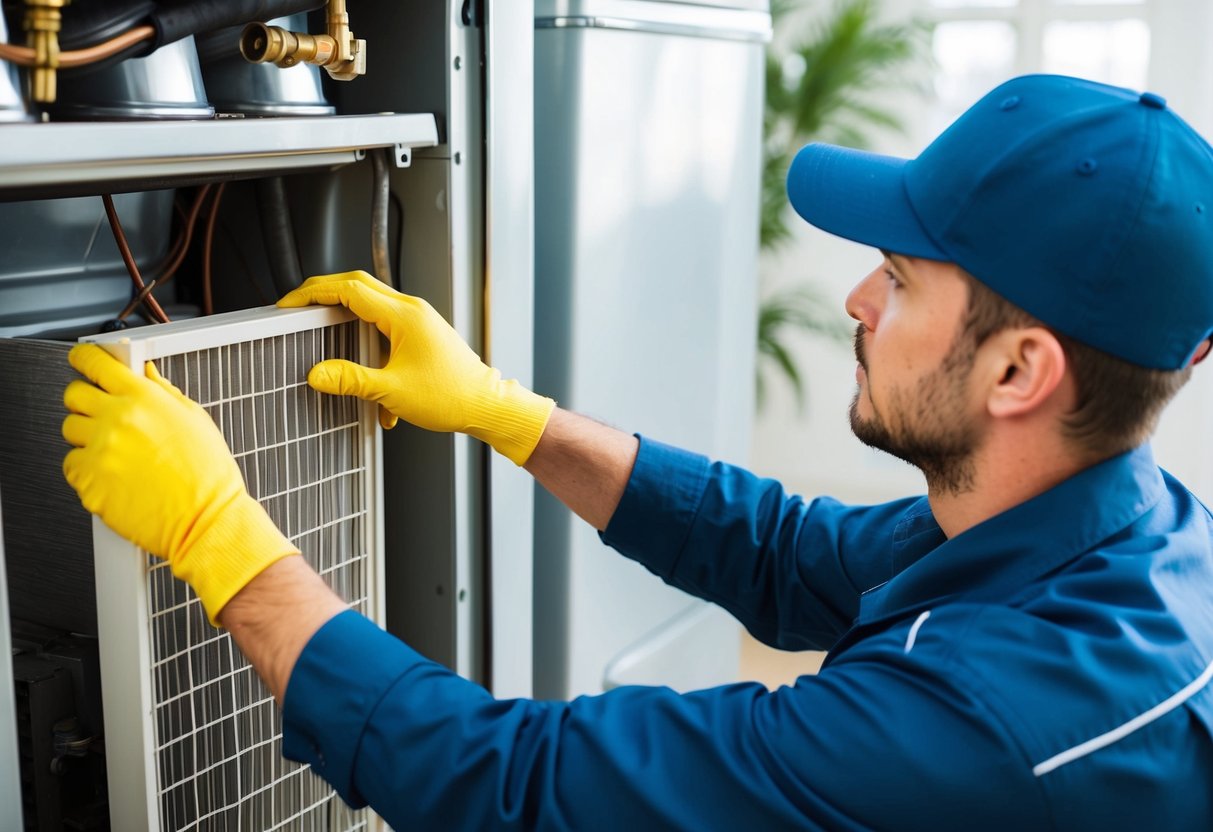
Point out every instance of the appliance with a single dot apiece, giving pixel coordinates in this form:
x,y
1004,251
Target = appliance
x,y
233,85
436,555
648,137
192,737
458,78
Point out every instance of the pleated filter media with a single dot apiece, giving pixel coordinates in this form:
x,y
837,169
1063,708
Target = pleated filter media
x,y
193,737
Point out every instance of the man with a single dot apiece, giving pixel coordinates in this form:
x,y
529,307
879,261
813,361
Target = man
x,y
1030,646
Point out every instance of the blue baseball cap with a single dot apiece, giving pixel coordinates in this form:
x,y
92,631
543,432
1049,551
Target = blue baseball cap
x,y
1088,206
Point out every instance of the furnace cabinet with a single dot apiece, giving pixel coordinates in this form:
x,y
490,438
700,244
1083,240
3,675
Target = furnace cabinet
x,y
573,185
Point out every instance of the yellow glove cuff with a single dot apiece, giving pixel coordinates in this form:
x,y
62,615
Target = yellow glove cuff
x,y
237,545
511,421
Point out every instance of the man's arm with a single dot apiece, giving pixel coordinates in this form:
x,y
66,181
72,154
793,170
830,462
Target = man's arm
x,y
276,614
584,464
789,571
883,739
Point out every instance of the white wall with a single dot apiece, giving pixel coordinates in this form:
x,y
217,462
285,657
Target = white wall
x,y
814,452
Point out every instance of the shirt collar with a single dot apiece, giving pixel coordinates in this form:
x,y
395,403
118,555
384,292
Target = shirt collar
x,y
1018,545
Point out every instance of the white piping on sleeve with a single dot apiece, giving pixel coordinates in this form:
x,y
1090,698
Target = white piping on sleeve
x,y
1140,721
914,630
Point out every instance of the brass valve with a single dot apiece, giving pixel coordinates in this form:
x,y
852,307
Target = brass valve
x,y
43,20
341,55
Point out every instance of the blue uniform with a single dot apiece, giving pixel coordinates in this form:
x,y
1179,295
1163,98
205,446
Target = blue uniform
x,y
1047,669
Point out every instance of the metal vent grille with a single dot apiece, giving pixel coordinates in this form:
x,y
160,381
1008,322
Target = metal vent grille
x,y
215,732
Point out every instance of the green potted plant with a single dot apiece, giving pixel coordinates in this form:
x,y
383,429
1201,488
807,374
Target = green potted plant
x,y
820,87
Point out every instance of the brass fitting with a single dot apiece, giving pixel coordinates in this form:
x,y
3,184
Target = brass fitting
x,y
43,20
341,55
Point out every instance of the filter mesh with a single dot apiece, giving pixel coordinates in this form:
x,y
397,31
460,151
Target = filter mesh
x,y
219,761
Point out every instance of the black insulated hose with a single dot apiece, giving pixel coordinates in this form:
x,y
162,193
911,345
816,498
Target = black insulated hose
x,y
279,234
181,18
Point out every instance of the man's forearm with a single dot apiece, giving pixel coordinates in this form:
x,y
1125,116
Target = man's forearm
x,y
276,614
585,464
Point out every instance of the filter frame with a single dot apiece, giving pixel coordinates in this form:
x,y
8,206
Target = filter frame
x,y
127,578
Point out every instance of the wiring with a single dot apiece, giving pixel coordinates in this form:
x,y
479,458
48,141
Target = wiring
x,y
208,240
124,248
24,55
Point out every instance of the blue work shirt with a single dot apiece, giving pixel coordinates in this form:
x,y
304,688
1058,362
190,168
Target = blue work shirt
x,y
1047,669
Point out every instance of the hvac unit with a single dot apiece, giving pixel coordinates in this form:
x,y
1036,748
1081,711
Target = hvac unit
x,y
192,736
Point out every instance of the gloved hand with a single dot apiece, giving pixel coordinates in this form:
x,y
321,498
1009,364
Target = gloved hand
x,y
154,466
432,378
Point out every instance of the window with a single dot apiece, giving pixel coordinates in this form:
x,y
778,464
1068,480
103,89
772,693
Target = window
x,y
978,43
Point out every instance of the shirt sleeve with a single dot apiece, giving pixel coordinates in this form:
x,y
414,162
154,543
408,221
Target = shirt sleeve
x,y
790,570
876,741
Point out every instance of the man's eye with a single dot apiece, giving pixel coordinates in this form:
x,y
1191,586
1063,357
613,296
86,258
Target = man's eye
x,y
896,281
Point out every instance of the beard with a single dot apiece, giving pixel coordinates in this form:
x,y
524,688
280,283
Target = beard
x,y
929,428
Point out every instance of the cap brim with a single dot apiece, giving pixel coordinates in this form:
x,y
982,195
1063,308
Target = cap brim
x,y
859,196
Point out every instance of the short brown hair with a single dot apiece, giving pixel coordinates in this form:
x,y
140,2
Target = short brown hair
x,y
1118,403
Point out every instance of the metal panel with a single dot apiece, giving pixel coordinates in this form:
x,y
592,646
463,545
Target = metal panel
x,y
468,314
648,152
76,154
193,737
509,315
50,561
62,270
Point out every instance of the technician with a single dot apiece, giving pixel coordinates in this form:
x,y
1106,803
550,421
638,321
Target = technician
x,y
1029,646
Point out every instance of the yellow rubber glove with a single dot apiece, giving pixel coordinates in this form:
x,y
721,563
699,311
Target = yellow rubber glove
x,y
153,465
432,379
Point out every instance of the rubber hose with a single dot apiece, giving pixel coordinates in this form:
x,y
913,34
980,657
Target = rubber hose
x,y
381,192
278,234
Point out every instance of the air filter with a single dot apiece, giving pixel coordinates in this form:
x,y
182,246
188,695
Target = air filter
x,y
193,738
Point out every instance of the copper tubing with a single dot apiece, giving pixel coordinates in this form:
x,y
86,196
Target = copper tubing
x,y
129,259
339,30
208,243
187,235
24,55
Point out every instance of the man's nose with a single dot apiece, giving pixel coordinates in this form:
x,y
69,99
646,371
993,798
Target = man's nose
x,y
863,302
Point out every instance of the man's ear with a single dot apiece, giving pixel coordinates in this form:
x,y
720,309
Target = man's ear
x,y
1026,367
1202,352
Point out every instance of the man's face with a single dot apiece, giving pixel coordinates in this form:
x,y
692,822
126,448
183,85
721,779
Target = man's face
x,y
913,399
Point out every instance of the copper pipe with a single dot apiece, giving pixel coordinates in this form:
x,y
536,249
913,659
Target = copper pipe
x,y
24,55
208,243
129,258
177,255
